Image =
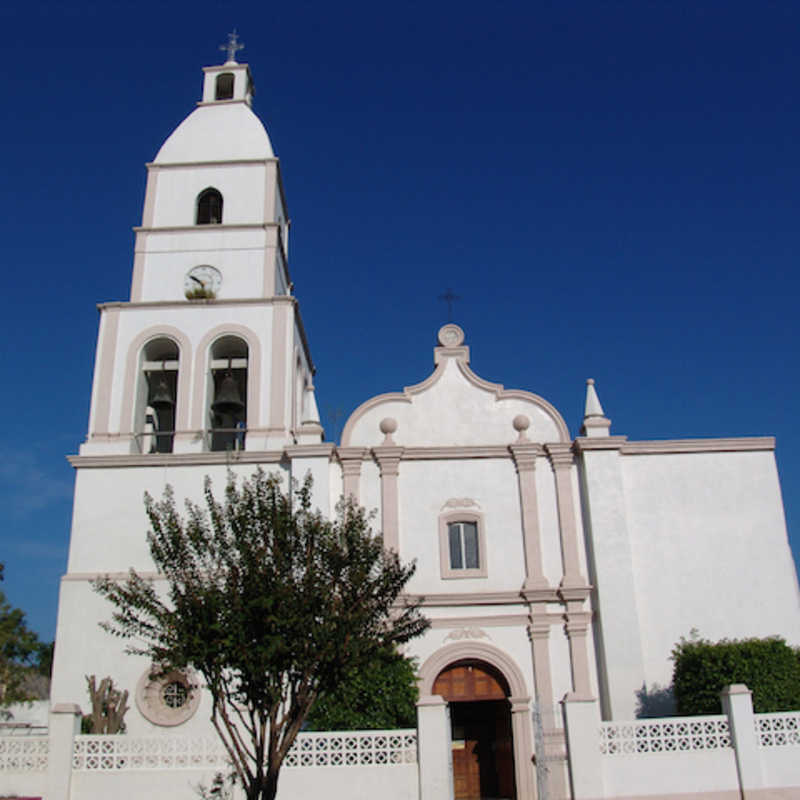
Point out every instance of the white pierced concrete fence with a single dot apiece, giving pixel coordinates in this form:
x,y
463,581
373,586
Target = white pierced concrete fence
x,y
733,755
736,754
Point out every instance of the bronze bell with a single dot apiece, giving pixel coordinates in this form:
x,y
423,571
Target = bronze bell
x,y
162,399
228,401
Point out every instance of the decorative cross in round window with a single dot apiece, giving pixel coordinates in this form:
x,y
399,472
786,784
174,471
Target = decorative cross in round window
x,y
175,694
168,698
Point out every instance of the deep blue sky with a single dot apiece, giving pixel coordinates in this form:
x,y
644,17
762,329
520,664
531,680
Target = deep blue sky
x,y
610,187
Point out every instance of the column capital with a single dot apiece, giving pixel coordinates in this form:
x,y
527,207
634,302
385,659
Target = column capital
x,y
560,455
351,454
525,455
388,458
539,627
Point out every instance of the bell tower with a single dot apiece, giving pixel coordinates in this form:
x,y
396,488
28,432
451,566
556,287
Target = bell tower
x,y
209,353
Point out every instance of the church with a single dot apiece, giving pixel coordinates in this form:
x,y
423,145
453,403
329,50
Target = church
x,y
553,567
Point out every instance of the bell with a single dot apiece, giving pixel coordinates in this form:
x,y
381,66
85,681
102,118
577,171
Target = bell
x,y
228,401
162,397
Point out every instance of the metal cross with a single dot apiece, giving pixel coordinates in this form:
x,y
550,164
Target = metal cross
x,y
449,297
232,46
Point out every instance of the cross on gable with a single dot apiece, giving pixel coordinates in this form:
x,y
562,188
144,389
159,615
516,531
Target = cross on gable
x,y
449,297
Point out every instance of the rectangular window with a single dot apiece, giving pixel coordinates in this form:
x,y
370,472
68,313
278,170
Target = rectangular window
x,y
463,541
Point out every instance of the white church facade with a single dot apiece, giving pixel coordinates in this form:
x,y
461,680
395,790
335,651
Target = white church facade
x,y
551,566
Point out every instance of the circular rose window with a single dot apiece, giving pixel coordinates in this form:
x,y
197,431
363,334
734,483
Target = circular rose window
x,y
168,699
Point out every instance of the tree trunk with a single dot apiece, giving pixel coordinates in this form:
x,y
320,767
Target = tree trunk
x,y
270,785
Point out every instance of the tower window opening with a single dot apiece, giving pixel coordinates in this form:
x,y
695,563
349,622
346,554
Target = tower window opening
x,y
224,86
228,393
158,396
209,207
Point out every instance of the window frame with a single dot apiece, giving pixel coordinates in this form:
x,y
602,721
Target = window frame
x,y
450,573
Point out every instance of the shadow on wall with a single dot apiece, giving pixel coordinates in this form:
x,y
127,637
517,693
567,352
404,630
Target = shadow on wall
x,y
657,701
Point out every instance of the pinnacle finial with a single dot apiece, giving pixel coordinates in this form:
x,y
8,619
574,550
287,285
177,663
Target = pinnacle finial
x,y
595,422
233,45
593,407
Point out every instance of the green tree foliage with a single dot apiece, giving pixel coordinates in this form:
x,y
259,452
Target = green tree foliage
x,y
270,603
20,651
381,694
769,668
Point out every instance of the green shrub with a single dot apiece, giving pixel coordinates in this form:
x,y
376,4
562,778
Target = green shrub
x,y
380,695
769,668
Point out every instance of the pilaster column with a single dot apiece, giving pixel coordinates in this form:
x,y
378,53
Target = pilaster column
x,y
561,461
351,459
388,458
576,628
521,732
525,454
539,634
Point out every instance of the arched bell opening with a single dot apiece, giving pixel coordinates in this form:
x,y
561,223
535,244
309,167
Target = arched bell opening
x,y
228,394
482,740
157,395
209,207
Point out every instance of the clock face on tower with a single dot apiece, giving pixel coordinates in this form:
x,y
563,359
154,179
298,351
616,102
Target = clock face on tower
x,y
202,281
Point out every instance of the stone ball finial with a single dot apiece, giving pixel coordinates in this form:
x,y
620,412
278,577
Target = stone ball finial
x,y
451,335
521,423
388,426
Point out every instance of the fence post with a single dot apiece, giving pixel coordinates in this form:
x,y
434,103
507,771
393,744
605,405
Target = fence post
x,y
435,753
64,725
737,703
582,725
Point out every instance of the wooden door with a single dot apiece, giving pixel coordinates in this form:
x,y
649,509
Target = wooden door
x,y
483,764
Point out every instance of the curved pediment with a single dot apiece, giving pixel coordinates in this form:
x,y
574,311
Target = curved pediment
x,y
454,407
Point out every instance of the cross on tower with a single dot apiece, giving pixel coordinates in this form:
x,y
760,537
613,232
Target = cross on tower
x,y
449,297
232,46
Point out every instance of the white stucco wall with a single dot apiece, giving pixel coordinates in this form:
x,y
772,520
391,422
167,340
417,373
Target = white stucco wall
x,y
710,550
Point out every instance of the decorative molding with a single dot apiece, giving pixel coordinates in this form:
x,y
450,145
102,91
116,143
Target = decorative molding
x,y
467,632
277,299
582,443
724,445
208,228
480,651
460,502
114,576
471,598
178,459
498,621
456,451
310,450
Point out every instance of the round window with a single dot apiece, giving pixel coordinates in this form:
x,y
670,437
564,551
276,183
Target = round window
x,y
167,699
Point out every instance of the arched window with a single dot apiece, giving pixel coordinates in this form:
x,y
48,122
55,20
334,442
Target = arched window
x,y
158,394
224,86
209,207
227,408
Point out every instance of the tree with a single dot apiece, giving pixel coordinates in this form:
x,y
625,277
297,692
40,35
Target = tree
x,y
20,650
270,603
381,694
769,668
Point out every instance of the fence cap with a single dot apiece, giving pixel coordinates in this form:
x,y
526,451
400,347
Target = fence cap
x,y
735,688
66,708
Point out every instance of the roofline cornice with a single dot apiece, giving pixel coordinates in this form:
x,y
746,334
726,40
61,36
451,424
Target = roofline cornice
x,y
240,301
228,163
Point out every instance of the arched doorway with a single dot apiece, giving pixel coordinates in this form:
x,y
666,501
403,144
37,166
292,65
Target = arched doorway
x,y
480,716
